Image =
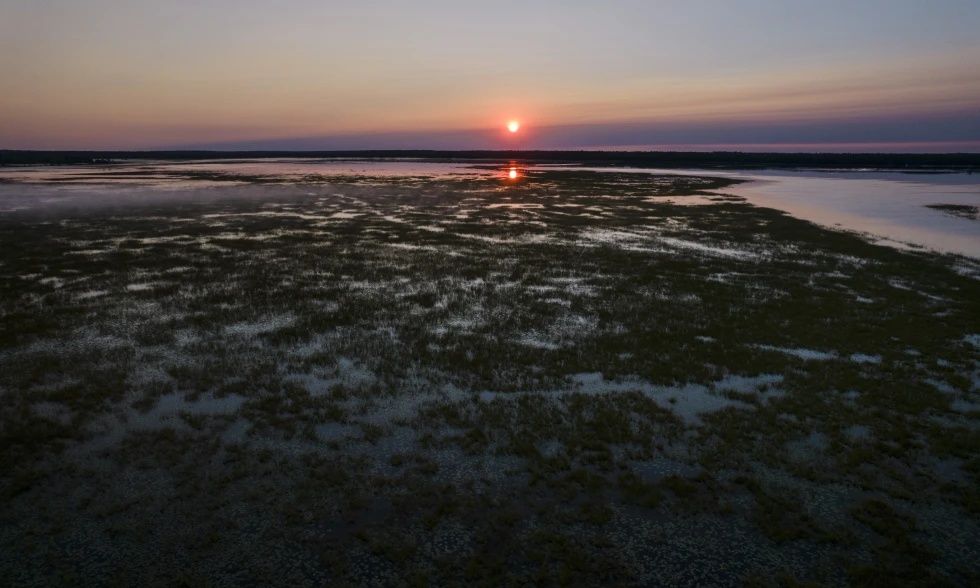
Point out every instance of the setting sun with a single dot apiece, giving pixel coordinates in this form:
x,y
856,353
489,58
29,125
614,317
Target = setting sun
x,y
512,174
513,126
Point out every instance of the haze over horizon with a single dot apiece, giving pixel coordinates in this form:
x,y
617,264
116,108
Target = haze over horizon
x,y
759,75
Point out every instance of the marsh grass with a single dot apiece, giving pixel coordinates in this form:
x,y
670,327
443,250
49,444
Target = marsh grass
x,y
351,377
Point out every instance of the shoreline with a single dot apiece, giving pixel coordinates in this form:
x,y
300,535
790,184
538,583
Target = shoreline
x,y
908,162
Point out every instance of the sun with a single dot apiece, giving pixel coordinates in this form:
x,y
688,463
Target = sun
x,y
513,126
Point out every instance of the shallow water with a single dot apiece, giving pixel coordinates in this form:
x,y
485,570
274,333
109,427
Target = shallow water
x,y
167,174
891,207
645,380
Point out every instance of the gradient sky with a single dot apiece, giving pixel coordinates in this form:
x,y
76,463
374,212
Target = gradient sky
x,y
320,74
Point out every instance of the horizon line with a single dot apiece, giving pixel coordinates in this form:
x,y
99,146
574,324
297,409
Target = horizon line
x,y
625,150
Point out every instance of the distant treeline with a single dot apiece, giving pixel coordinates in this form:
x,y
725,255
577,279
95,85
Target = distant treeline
x,y
718,159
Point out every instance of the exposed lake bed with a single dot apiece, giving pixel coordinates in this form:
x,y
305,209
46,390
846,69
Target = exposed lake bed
x,y
334,371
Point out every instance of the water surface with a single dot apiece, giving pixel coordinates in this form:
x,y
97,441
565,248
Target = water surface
x,y
890,207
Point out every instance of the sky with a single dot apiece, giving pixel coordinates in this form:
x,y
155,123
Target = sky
x,y
800,75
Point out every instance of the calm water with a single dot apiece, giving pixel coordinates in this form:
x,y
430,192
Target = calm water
x,y
166,173
890,207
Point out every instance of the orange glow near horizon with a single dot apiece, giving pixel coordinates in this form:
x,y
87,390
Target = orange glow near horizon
x,y
512,174
425,77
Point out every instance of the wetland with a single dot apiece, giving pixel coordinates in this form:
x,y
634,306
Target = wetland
x,y
282,373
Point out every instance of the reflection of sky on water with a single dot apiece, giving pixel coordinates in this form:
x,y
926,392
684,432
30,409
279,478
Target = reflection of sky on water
x,y
167,173
892,208
890,205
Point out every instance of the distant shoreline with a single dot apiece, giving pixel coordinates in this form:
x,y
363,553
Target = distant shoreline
x,y
909,162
